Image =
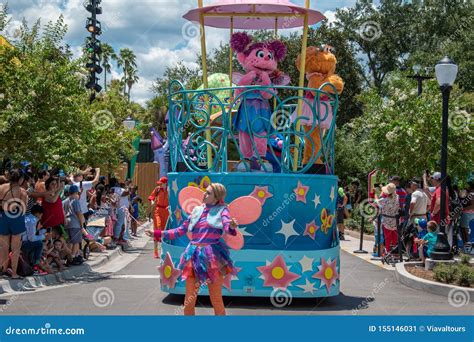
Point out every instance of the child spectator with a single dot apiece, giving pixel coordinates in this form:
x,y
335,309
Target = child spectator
x,y
74,223
135,214
428,242
32,246
66,253
54,255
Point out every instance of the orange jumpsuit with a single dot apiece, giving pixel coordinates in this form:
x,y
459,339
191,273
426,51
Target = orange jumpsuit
x,y
160,213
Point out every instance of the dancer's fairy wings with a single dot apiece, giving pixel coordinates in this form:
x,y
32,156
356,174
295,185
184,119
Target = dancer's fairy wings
x,y
245,210
237,77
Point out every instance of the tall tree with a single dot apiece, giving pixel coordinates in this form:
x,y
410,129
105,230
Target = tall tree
x,y
128,62
132,78
108,54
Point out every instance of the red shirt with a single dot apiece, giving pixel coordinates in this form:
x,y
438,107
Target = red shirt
x,y
53,213
437,194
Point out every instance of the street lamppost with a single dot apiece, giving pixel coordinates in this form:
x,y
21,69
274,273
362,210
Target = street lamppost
x,y
419,78
446,72
129,124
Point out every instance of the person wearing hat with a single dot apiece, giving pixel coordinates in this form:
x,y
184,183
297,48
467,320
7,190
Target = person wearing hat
x,y
435,204
159,207
389,209
74,222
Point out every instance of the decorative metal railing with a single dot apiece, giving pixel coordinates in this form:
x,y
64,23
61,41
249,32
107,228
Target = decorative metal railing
x,y
202,135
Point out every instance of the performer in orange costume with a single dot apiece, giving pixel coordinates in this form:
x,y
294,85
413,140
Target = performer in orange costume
x,y
160,203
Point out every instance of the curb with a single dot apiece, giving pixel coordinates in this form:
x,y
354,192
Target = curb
x,y
356,234
31,283
445,290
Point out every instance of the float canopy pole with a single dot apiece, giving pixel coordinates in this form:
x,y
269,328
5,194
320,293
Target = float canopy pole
x,y
304,46
204,81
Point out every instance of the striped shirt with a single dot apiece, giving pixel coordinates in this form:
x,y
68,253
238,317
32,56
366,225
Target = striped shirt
x,y
202,232
402,195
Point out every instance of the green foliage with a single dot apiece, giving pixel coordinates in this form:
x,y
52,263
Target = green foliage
x,y
465,259
465,275
401,132
445,273
44,111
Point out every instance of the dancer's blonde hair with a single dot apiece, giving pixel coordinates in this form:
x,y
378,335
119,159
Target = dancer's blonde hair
x,y
219,191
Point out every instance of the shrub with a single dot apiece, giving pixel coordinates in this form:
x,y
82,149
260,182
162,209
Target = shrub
x,y
445,273
465,259
465,275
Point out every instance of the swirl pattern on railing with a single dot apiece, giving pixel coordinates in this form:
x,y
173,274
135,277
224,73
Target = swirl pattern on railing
x,y
203,137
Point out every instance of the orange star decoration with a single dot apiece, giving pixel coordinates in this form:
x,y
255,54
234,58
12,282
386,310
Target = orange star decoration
x,y
277,274
177,214
327,273
301,191
311,229
168,273
261,193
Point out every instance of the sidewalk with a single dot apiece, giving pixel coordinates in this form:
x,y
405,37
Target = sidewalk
x,y
352,244
95,260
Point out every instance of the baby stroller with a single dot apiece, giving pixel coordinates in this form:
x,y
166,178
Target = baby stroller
x,y
406,235
94,228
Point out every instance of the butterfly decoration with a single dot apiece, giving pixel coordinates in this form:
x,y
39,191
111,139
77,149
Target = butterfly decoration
x,y
244,210
326,221
201,183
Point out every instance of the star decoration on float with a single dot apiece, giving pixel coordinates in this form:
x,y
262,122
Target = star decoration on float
x,y
244,231
332,196
301,191
177,214
277,274
168,273
306,264
327,273
228,279
308,287
261,193
288,230
317,201
175,186
311,229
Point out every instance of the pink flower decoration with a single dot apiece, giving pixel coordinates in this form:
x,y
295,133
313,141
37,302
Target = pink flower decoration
x,y
301,191
261,193
228,279
311,229
277,274
327,273
168,273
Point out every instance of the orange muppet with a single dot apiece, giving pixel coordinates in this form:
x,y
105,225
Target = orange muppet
x,y
160,203
320,69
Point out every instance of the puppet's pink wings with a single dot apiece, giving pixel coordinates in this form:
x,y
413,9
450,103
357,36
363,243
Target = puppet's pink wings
x,y
279,78
237,77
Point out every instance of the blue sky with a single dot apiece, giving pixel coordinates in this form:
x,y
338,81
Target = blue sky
x,y
152,28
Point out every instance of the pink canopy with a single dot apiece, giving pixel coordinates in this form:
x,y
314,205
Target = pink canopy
x,y
241,7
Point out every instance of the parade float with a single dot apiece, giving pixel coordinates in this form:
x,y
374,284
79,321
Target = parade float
x,y
293,245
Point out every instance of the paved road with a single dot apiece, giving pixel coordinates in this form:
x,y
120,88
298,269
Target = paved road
x,y
135,291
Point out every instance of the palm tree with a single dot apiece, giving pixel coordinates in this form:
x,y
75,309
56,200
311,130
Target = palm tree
x,y
131,79
127,60
107,55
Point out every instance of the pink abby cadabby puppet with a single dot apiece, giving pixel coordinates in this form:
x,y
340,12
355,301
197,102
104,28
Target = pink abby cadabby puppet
x,y
260,62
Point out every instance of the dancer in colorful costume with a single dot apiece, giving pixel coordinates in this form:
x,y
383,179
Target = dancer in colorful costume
x,y
206,260
160,203
260,62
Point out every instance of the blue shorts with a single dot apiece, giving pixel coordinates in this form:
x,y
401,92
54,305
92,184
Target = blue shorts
x,y
11,224
75,235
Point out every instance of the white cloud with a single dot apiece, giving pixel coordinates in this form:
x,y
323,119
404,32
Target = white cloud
x,y
153,29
